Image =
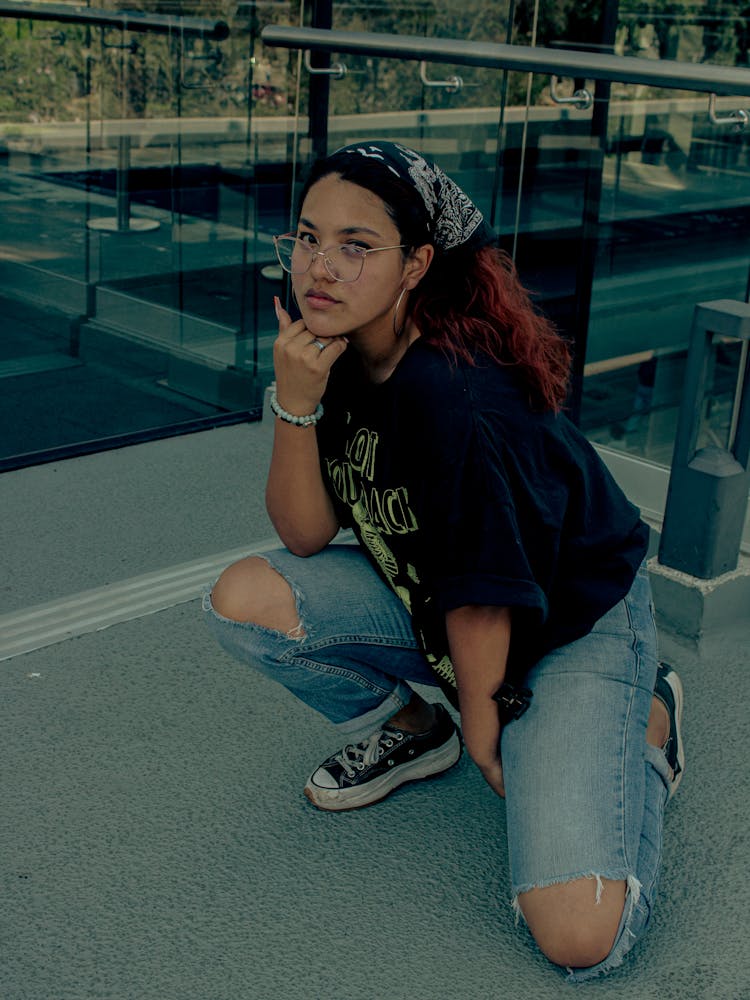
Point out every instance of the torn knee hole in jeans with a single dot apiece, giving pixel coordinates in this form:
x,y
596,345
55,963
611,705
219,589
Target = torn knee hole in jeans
x,y
632,894
296,632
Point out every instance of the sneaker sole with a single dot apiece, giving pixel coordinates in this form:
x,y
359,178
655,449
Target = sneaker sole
x,y
426,766
676,684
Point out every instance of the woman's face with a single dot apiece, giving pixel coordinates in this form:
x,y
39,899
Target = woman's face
x,y
336,211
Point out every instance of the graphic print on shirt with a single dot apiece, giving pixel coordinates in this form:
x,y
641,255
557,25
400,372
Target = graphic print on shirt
x,y
381,513
377,512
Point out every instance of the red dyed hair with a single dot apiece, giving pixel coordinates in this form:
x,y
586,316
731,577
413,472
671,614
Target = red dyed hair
x,y
475,300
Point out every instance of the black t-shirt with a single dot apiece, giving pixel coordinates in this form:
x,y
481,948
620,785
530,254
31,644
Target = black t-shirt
x,y
460,493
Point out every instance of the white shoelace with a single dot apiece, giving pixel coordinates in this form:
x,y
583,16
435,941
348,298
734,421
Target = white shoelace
x,y
365,753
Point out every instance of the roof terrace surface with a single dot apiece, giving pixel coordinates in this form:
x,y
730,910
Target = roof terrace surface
x,y
155,839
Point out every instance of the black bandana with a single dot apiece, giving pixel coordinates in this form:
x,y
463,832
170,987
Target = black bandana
x,y
455,221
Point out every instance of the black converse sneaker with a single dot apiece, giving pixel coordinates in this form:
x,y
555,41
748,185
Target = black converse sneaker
x,y
668,690
367,772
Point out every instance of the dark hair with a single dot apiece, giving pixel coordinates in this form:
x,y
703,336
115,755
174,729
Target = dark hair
x,y
474,299
469,299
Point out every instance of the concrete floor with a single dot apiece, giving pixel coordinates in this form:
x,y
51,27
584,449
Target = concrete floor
x,y
155,841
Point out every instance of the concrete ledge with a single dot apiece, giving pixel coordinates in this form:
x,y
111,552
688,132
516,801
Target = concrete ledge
x,y
691,608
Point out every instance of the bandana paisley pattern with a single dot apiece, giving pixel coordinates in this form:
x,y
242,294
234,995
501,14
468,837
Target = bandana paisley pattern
x,y
455,218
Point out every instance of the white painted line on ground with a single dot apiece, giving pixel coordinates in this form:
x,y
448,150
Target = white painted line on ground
x,y
92,610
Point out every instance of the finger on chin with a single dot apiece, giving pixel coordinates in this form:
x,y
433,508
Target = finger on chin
x,y
286,324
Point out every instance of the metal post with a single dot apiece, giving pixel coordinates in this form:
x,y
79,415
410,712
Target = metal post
x,y
708,487
320,84
122,178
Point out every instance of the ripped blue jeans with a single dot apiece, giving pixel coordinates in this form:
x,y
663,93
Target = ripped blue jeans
x,y
585,793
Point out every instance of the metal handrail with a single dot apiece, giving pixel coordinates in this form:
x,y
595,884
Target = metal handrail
x,y
702,77
126,20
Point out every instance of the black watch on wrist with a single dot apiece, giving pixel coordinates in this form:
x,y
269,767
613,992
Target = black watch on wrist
x,y
512,702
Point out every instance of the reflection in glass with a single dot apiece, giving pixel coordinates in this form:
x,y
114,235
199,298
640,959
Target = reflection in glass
x,y
620,218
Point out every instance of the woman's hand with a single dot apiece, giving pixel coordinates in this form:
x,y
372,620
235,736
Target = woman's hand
x,y
479,638
302,367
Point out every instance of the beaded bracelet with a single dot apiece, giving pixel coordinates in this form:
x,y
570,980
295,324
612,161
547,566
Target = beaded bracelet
x,y
307,421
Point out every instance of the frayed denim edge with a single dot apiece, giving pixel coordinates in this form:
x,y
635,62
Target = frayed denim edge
x,y
297,633
617,952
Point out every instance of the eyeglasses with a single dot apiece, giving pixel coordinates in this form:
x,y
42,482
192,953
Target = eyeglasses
x,y
343,262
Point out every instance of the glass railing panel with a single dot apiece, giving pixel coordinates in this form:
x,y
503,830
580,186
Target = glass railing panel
x,y
44,66
130,234
673,224
172,266
44,93
209,166
226,159
547,184
628,215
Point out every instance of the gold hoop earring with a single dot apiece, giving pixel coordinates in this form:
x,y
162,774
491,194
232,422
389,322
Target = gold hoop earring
x,y
397,332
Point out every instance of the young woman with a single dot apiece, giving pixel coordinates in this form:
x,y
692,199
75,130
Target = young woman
x,y
418,401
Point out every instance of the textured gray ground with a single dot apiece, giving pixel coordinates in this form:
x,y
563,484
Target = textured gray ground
x,y
155,843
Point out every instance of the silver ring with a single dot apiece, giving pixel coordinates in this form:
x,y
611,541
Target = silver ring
x,y
319,344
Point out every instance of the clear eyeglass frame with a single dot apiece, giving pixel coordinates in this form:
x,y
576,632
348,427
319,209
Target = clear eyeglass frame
x,y
347,258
